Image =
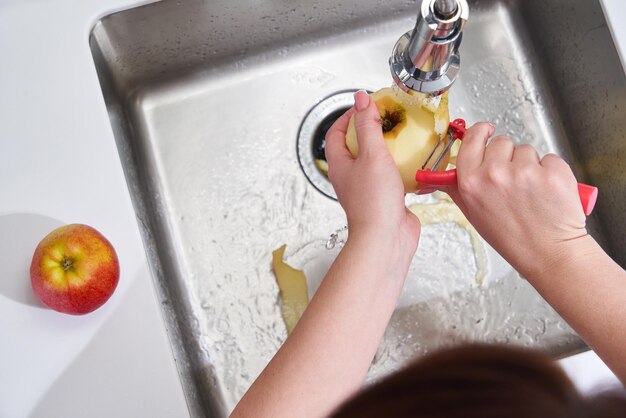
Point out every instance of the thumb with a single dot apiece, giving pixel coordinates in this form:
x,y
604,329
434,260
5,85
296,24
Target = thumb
x,y
369,131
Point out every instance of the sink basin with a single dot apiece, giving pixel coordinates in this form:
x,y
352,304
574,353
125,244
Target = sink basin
x,y
206,101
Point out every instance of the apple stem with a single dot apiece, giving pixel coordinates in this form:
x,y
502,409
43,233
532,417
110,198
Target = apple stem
x,y
67,263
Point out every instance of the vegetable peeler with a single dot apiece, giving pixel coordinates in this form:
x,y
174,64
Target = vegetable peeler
x,y
431,177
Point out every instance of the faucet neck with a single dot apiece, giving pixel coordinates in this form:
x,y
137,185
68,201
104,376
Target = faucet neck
x,y
445,9
426,59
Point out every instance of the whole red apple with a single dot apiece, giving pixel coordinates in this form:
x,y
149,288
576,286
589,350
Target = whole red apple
x,y
74,269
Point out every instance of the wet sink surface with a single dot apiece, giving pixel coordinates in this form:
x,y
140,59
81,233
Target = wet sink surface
x,y
206,100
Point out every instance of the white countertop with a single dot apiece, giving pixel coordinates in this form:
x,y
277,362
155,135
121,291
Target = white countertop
x,y
59,164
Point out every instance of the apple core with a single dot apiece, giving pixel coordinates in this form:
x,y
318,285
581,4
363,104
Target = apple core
x,y
392,117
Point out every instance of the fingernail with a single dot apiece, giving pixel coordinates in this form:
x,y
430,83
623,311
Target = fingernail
x,y
493,127
361,100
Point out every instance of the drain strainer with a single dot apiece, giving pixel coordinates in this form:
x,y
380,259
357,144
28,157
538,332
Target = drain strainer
x,y
311,138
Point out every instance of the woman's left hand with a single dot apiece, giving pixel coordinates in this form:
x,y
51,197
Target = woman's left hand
x,y
369,187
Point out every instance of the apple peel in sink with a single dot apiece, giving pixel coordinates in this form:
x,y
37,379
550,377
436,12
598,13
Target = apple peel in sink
x,y
294,294
445,211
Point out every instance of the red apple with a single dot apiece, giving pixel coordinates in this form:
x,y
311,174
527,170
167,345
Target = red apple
x,y
74,269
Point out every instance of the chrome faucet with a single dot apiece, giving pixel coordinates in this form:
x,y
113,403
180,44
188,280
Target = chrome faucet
x,y
426,59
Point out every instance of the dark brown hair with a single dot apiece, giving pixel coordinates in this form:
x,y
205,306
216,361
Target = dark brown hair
x,y
481,381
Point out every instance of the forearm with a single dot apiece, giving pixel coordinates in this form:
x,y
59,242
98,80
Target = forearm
x,y
327,356
588,289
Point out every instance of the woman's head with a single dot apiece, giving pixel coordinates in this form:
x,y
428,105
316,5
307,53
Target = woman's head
x,y
479,381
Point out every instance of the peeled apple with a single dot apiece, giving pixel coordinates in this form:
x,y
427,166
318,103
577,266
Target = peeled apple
x,y
412,125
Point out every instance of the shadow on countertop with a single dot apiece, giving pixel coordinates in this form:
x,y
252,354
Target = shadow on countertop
x,y
114,376
19,235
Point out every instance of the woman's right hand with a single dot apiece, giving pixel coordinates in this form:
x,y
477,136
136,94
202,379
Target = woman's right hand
x,y
527,208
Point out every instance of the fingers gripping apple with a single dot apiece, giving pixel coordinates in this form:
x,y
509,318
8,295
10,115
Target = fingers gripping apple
x,y
411,130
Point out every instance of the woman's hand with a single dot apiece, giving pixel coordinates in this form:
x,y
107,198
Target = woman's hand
x,y
527,208
369,187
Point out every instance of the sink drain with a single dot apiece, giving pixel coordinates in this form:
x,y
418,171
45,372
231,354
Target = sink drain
x,y
311,138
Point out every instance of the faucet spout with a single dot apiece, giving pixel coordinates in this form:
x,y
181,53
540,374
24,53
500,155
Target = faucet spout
x,y
445,8
427,59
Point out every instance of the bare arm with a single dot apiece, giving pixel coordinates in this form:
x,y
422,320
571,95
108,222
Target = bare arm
x,y
528,209
327,356
588,289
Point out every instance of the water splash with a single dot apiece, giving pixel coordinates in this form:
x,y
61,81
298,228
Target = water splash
x,y
337,238
499,93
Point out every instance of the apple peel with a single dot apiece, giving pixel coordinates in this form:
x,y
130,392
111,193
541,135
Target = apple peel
x,y
294,293
445,211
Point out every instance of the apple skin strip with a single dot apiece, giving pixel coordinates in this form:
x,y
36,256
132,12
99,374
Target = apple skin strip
x,y
294,294
447,212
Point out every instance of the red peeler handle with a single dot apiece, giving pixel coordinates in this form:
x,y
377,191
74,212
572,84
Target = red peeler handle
x,y
588,194
448,177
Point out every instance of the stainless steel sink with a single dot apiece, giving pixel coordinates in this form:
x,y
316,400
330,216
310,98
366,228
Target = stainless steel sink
x,y
206,100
